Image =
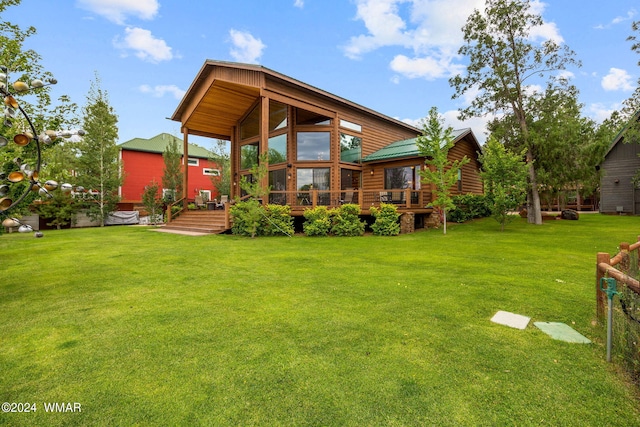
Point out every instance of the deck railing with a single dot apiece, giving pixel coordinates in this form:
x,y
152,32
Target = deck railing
x,y
170,213
299,200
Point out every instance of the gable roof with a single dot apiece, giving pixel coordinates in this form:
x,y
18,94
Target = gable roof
x,y
620,136
159,143
409,148
223,92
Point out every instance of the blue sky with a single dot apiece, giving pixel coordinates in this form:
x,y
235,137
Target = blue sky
x,y
394,56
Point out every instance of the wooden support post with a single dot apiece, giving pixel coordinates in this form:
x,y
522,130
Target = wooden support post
x,y
625,261
185,167
602,258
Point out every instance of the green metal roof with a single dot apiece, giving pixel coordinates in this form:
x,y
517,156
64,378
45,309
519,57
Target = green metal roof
x,y
405,149
159,143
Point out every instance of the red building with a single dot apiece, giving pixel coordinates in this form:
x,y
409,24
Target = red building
x,y
143,163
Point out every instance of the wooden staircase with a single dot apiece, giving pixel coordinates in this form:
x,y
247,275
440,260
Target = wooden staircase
x,y
199,221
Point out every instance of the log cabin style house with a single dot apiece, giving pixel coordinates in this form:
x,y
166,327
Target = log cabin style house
x,y
322,149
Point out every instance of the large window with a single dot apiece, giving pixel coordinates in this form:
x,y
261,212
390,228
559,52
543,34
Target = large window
x,y
304,117
250,126
402,177
314,145
350,148
278,184
350,125
277,115
248,156
278,149
313,179
350,179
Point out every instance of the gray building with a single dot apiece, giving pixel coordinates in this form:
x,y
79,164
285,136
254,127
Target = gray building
x,y
618,193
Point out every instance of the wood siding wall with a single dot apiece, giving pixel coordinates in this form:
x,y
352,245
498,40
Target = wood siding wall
x,y
471,181
616,189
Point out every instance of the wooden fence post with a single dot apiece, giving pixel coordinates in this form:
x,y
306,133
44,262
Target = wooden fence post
x,y
602,257
624,261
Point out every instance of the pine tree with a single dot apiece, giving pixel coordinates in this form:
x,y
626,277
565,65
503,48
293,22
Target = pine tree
x,y
172,173
99,170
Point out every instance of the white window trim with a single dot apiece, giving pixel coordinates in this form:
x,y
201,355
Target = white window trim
x,y
211,172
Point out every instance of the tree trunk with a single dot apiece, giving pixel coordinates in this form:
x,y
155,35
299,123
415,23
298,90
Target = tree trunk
x,y
534,212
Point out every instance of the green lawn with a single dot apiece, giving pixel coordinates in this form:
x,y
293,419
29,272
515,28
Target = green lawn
x,y
148,328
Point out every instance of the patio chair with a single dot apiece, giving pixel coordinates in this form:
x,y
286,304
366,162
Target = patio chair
x,y
199,201
223,199
348,198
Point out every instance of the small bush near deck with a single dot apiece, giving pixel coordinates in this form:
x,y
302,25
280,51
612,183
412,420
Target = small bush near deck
x,y
469,206
277,221
387,220
247,216
317,221
346,220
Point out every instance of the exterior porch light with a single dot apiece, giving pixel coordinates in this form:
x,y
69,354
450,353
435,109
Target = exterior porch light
x,y
371,171
24,170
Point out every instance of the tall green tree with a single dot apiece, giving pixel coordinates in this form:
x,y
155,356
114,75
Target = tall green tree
x,y
631,107
504,175
503,61
172,174
98,166
20,63
561,140
434,144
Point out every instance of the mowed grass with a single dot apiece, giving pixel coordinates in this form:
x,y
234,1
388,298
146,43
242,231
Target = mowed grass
x,y
148,328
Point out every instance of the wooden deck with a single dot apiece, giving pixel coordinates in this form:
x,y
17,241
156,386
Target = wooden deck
x,y
219,221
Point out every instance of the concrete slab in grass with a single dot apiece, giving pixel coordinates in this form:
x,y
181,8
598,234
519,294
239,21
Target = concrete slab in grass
x,y
517,321
562,332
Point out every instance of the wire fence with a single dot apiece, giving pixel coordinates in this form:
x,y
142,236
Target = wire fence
x,y
618,284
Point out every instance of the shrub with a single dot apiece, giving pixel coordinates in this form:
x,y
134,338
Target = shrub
x,y
469,206
387,220
345,220
317,221
247,216
277,221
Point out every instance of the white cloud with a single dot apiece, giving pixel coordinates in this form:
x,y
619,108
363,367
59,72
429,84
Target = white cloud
x,y
299,3
118,10
477,124
617,79
618,19
546,31
246,48
431,29
160,91
427,67
600,112
385,27
145,45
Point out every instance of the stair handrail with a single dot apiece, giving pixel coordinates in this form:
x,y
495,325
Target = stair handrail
x,y
170,214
